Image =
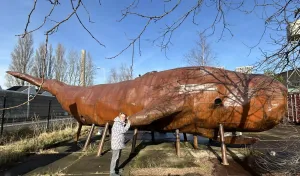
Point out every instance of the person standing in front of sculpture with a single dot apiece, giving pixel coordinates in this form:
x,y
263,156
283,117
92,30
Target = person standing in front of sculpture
x,y
119,128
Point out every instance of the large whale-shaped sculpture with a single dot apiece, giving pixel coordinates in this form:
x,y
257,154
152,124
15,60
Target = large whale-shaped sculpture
x,y
192,99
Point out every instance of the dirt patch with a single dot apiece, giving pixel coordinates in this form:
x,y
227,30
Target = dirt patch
x,y
161,159
195,171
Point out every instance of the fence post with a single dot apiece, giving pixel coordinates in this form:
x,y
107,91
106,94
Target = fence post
x,y
3,113
48,119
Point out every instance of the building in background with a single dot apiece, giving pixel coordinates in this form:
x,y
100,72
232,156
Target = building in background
x,y
291,79
32,90
244,69
221,67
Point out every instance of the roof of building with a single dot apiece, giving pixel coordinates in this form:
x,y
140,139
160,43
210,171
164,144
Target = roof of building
x,y
288,71
25,89
18,88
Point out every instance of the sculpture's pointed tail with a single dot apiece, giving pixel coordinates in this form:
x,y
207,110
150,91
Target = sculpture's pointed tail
x,y
26,77
51,86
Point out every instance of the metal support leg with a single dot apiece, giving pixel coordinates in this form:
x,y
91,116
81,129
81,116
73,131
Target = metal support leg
x,y
177,143
49,115
87,142
78,132
223,147
292,105
296,109
152,136
134,140
184,137
3,115
103,139
196,142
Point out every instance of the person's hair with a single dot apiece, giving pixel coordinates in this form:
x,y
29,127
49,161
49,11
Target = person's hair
x,y
122,113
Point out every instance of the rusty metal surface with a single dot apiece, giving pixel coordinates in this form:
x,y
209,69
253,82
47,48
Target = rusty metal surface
x,y
192,99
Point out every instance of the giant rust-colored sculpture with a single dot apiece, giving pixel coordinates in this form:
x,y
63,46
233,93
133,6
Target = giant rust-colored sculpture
x,y
192,99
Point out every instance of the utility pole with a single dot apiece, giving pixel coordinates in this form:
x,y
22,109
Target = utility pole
x,y
82,68
82,83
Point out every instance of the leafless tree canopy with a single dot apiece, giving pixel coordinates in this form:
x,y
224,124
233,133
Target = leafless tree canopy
x,y
58,66
202,54
113,76
37,68
21,60
123,73
60,63
73,72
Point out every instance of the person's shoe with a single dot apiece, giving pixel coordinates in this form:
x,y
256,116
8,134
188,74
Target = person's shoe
x,y
120,171
114,174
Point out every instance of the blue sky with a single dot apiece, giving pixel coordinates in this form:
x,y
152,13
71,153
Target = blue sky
x,y
231,52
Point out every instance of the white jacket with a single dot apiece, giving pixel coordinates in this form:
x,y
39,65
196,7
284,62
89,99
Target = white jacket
x,y
118,131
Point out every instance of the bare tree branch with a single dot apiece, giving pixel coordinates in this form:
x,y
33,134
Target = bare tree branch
x,y
45,19
133,41
87,12
55,2
75,11
29,17
50,31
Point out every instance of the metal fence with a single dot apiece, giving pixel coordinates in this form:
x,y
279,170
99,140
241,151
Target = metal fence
x,y
42,107
293,113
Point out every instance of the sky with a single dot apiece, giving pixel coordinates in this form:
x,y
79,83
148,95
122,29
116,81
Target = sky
x,y
231,51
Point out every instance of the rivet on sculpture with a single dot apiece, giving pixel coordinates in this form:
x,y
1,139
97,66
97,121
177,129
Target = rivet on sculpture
x,y
194,100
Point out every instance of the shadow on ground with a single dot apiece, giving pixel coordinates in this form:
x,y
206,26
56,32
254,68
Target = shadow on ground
x,y
40,160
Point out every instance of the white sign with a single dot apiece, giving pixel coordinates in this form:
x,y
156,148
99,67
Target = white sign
x,y
196,88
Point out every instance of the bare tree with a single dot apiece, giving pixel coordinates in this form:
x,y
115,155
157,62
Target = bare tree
x,y
123,73
37,68
60,63
113,76
89,70
40,55
73,72
201,54
21,59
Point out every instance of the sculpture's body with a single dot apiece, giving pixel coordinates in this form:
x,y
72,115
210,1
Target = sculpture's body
x,y
192,99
